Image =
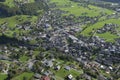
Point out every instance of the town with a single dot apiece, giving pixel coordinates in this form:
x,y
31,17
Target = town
x,y
54,48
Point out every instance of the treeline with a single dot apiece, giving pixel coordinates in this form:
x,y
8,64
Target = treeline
x,y
2,0
26,9
115,1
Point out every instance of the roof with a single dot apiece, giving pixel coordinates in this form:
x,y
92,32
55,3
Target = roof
x,y
45,78
70,76
48,63
67,67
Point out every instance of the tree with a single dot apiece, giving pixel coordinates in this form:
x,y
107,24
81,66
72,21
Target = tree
x,y
78,78
2,0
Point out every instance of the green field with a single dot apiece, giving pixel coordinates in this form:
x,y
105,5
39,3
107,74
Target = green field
x,y
3,76
18,19
107,36
23,58
91,11
11,3
14,20
62,73
73,8
23,75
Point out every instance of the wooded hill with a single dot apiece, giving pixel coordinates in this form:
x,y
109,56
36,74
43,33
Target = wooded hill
x,y
23,9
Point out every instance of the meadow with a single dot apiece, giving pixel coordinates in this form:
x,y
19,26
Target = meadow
x,y
89,10
11,3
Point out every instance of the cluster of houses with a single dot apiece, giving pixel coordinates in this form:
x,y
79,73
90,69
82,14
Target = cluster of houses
x,y
20,2
108,28
53,31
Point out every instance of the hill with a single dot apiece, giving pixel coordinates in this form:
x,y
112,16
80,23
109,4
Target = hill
x,y
115,1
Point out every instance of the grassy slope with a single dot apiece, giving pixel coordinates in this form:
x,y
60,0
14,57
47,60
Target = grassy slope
x,y
14,20
21,76
10,3
18,19
79,10
92,11
108,36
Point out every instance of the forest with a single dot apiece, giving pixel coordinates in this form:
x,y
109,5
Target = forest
x,y
24,9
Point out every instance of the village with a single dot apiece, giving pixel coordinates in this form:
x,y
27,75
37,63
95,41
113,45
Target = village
x,y
51,50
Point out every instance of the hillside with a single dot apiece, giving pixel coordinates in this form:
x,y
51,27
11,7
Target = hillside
x,y
115,1
101,15
19,12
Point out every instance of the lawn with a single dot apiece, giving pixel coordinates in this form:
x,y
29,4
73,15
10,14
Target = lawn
x,y
23,58
3,76
63,73
82,11
108,36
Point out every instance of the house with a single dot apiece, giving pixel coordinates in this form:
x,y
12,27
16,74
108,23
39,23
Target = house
x,y
30,65
48,63
45,78
101,77
118,10
57,67
86,77
73,38
4,57
37,76
70,77
67,68
47,73
110,68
